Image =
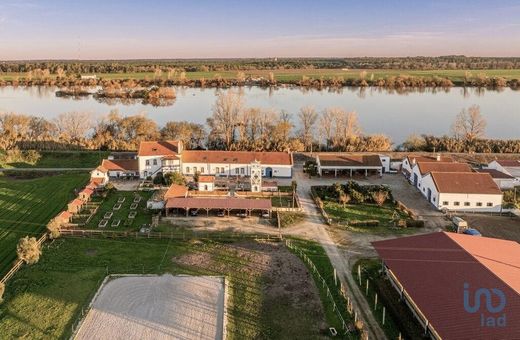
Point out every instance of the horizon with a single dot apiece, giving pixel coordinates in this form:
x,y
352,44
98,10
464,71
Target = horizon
x,y
110,30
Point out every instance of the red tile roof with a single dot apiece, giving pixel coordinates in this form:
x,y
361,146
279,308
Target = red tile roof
x,y
236,157
219,203
120,164
76,202
206,179
159,148
427,167
87,191
465,183
433,268
64,215
445,159
176,190
495,173
350,160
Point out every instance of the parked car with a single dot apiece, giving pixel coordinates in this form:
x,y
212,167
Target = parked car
x,y
194,212
265,214
472,232
242,214
221,213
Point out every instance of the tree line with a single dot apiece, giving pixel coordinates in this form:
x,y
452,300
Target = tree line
x,y
231,126
454,62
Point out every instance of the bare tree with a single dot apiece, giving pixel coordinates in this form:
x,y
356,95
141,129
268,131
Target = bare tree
x,y
73,126
308,118
469,124
28,250
53,227
380,197
226,113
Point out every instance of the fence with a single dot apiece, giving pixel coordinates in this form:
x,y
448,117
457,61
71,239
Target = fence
x,y
18,264
341,290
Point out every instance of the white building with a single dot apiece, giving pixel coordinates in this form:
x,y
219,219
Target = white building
x,y
506,166
503,180
462,191
155,157
421,169
410,161
206,183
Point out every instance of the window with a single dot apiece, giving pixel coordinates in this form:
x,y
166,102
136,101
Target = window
x,y
467,204
187,169
147,162
222,170
237,171
205,187
445,203
479,204
201,170
242,171
195,169
489,204
155,162
456,204
217,170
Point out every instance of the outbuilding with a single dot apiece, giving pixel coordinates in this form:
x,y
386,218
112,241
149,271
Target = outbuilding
x,y
350,164
206,183
503,180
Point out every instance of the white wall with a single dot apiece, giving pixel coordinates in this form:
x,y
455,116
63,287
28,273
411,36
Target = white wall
x,y
206,186
406,165
385,160
506,183
154,168
99,174
231,169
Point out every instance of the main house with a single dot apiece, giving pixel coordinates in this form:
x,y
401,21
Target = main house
x,y
155,157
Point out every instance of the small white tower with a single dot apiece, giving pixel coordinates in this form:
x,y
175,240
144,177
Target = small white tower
x,y
256,176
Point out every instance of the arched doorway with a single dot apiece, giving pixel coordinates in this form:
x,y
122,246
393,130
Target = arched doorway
x,y
269,172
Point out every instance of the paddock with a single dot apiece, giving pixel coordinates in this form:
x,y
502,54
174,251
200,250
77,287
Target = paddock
x,y
157,307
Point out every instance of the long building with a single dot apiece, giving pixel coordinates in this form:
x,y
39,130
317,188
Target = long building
x,y
458,286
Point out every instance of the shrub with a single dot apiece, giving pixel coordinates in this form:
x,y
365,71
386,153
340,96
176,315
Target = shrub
x,y
174,178
357,196
28,250
54,228
159,178
365,223
379,197
414,223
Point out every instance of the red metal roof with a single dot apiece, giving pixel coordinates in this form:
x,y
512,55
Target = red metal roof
x,y
495,173
218,203
433,269
350,160
510,163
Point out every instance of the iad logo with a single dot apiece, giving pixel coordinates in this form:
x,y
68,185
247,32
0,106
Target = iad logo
x,y
489,319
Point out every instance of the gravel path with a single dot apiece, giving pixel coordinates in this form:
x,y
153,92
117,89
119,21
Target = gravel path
x,y
157,307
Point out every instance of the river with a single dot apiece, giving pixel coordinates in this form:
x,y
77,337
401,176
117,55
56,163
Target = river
x,y
397,115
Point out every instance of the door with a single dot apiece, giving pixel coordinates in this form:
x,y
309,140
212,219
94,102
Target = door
x,y
269,172
415,180
429,195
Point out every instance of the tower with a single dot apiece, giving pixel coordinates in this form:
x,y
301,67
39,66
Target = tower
x,y
256,176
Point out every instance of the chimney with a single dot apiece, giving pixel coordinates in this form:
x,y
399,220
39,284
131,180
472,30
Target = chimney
x,y
414,161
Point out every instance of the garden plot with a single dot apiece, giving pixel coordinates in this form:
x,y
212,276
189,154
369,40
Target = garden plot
x,y
157,307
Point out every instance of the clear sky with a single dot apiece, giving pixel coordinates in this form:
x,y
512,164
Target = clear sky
x,y
94,29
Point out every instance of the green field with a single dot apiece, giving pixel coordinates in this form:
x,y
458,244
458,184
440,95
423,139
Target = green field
x,y
143,215
27,205
43,301
64,159
456,76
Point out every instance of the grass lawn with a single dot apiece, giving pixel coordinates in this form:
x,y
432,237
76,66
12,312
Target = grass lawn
x,y
44,300
65,159
398,318
27,205
107,205
456,76
288,219
282,201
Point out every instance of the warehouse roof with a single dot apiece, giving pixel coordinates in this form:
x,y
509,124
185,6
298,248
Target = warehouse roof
x,y
219,203
350,160
434,268
465,183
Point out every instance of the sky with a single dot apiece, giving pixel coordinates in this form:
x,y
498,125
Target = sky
x,y
75,29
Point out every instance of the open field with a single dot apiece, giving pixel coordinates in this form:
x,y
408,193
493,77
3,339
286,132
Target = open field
x,y
64,159
157,307
27,205
270,292
457,76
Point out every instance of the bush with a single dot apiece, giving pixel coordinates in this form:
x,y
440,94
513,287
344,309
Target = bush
x,y
357,196
54,228
159,178
366,223
414,223
174,177
28,250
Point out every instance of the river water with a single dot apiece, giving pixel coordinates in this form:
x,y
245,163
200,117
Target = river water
x,y
395,114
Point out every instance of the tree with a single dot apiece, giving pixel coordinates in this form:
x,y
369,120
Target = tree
x,y
380,197
308,118
469,124
73,126
174,177
226,113
413,143
193,135
28,250
53,227
343,198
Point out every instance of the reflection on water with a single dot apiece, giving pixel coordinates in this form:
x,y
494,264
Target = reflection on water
x,y
395,112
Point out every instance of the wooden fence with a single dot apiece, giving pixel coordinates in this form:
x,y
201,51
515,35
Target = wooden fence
x,y
18,264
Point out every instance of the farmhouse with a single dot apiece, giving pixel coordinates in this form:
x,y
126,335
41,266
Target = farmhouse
x,y
410,161
421,169
206,183
348,165
503,180
507,166
154,157
462,191
434,273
